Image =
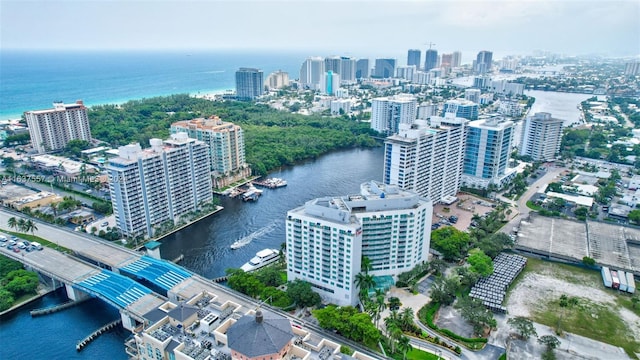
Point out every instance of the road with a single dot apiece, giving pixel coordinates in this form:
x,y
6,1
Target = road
x,y
523,210
82,243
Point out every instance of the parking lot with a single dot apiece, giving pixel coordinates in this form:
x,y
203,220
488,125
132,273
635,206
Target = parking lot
x,y
464,208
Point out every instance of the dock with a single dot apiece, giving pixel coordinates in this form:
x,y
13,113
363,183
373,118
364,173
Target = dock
x,y
94,335
56,308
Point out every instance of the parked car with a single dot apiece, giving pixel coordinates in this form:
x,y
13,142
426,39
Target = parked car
x,y
16,250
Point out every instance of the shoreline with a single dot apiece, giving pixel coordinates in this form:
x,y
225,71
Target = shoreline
x,y
209,94
161,237
40,294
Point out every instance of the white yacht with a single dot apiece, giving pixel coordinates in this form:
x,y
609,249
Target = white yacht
x,y
262,258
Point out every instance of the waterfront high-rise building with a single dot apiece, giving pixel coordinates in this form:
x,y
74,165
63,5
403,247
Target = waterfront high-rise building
x,y
385,68
52,129
413,57
311,72
347,69
249,83
387,113
506,88
225,140
541,137
487,152
157,186
333,63
483,62
430,59
456,59
362,69
461,108
427,157
277,80
327,238
330,83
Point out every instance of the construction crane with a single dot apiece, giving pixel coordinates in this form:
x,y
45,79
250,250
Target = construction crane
x,y
430,44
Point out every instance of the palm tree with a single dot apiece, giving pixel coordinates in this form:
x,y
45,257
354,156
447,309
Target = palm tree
x,y
283,248
366,265
394,332
381,305
12,222
30,226
364,282
406,318
21,225
404,345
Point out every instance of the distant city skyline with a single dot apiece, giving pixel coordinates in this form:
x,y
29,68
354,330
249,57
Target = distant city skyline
x,y
383,28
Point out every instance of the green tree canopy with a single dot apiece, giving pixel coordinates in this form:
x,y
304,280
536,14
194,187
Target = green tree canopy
x,y
523,326
480,262
443,290
451,242
301,293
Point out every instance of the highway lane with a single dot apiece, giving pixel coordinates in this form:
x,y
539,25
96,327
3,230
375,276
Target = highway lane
x,y
83,244
55,263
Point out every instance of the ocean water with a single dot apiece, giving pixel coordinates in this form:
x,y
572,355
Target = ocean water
x,y
33,80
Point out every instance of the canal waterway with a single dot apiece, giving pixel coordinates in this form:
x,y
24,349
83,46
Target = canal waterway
x,y
206,245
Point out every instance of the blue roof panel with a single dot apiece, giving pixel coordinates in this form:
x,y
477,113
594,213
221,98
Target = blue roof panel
x,y
114,288
160,272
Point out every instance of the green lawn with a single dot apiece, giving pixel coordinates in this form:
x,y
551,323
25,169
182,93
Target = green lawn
x,y
416,354
600,322
591,320
533,206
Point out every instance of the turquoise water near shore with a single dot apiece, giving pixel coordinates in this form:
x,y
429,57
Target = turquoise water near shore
x,y
33,80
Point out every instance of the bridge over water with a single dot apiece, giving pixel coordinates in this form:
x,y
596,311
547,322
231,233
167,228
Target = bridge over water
x,y
82,279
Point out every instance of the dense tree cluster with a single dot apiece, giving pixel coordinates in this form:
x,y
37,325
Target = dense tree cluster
x,y
451,242
272,138
14,282
348,322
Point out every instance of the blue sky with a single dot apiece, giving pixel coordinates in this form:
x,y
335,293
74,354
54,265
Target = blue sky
x,y
385,28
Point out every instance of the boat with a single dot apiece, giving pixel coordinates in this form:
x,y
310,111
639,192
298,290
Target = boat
x,y
252,194
240,243
263,258
272,183
247,239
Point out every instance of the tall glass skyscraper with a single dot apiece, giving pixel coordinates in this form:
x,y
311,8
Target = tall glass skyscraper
x,y
430,59
385,68
487,152
249,83
413,57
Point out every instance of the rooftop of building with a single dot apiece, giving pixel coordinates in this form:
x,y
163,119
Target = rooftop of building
x,y
462,102
494,123
70,166
59,106
213,123
260,334
374,196
545,116
130,153
215,327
